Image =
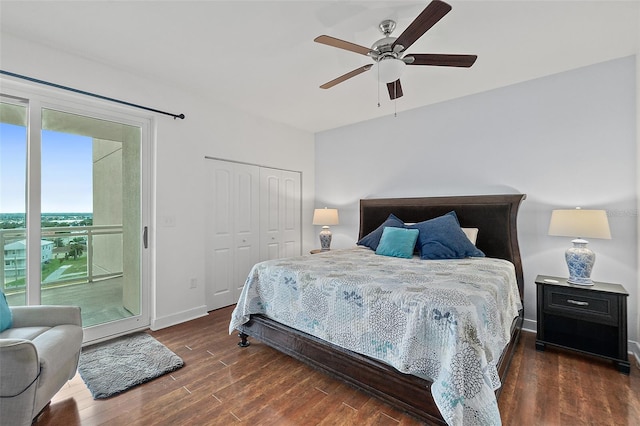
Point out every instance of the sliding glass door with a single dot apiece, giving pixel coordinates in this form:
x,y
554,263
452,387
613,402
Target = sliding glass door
x,y
77,236
13,202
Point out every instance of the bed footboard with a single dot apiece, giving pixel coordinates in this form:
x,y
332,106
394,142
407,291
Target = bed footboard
x,y
403,391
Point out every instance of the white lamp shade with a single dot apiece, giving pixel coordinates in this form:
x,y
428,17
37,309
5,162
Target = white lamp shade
x,y
580,223
325,217
390,70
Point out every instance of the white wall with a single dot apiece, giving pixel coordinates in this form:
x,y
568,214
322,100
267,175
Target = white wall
x,y
637,345
210,129
565,140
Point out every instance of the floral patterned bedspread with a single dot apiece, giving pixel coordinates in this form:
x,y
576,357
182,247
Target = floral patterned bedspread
x,y
444,320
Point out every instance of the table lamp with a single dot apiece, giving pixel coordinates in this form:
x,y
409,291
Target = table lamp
x,y
325,217
580,224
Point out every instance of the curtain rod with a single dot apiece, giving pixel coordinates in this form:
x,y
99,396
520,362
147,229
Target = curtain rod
x,y
71,89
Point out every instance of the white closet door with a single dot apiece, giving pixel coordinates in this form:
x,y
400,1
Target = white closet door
x,y
279,213
219,238
270,201
232,246
290,214
247,224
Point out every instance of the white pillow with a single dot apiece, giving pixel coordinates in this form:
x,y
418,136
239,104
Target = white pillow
x,y
471,233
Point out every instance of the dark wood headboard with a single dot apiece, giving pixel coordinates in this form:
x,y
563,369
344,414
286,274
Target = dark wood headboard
x,y
494,215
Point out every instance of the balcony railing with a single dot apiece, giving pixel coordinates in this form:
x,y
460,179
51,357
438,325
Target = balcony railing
x,y
101,256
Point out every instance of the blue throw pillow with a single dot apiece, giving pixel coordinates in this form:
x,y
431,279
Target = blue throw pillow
x,y
442,238
372,239
6,320
397,242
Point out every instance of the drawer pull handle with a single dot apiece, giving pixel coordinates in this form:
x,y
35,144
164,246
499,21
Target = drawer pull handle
x,y
577,302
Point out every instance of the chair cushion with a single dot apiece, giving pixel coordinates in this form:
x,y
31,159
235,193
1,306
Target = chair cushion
x,y
26,333
55,348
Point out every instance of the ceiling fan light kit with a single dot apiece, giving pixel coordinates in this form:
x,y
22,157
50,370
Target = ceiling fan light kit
x,y
388,52
390,70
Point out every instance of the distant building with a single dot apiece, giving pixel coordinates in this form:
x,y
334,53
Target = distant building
x,y
15,257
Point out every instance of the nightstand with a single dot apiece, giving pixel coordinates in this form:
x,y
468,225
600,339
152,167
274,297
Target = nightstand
x,y
588,319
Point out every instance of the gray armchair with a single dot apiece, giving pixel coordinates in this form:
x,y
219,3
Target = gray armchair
x,y
38,355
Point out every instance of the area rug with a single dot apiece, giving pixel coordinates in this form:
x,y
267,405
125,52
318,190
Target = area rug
x,y
115,366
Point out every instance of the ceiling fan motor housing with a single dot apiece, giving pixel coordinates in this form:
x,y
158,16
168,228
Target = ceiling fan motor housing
x,y
381,49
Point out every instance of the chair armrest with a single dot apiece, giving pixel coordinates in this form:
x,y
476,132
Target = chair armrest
x,y
19,366
45,316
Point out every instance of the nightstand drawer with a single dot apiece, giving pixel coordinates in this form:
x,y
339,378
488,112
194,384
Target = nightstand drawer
x,y
588,305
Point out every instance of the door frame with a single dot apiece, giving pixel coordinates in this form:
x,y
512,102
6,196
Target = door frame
x,y
38,97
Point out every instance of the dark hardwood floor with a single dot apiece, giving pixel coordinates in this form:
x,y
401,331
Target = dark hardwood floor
x,y
222,384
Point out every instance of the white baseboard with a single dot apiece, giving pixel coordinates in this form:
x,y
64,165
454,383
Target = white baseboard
x,y
530,325
634,350
178,318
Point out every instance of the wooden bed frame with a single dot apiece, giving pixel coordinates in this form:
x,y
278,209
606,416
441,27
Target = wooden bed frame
x,y
494,215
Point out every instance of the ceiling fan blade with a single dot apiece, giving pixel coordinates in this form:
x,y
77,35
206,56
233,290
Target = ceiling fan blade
x,y
395,89
427,19
346,76
341,44
442,60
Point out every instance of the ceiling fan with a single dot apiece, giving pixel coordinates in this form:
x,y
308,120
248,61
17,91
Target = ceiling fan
x,y
389,52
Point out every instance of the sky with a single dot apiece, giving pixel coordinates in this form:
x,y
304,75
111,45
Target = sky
x,y
67,171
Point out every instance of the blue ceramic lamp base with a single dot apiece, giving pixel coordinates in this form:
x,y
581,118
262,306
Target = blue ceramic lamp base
x,y
580,261
325,238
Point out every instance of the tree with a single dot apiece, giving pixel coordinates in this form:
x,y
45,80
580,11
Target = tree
x,y
75,248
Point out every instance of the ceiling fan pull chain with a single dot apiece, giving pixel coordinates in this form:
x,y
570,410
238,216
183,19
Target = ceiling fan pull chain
x,y
378,84
395,99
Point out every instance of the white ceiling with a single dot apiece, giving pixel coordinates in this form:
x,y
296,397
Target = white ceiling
x,y
259,56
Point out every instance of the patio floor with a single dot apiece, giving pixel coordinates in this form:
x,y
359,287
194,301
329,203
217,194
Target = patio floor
x,y
100,301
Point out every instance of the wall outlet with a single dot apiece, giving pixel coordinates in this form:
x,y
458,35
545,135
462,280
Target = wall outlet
x,y
193,283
